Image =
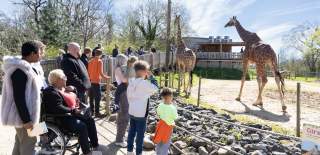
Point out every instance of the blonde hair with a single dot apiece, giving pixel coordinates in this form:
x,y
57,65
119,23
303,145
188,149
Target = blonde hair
x,y
132,59
55,75
121,60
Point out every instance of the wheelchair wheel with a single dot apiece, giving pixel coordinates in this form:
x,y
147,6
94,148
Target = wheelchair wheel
x,y
53,142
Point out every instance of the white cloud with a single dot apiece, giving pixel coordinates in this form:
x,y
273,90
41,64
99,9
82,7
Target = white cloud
x,y
273,34
312,5
209,16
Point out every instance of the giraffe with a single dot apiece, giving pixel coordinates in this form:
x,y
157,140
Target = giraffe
x,y
185,58
261,54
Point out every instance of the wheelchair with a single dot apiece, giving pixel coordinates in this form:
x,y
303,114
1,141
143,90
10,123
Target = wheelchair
x,y
57,140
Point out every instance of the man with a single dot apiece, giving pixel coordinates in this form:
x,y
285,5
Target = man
x,y
75,70
85,56
21,95
94,50
115,51
140,51
95,70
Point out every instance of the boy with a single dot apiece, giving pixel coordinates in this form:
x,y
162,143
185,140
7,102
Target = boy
x,y
95,70
167,113
138,92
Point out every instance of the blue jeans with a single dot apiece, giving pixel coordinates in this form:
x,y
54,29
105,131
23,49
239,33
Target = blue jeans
x,y
163,148
137,127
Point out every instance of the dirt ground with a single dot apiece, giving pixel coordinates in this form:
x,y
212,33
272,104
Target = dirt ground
x,y
222,94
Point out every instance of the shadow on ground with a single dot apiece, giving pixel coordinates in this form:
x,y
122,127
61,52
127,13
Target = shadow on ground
x,y
262,113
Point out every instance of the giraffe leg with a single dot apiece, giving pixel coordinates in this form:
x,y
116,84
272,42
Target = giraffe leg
x,y
262,80
245,69
280,85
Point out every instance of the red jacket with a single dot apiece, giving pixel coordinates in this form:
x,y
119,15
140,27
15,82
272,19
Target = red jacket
x,y
163,132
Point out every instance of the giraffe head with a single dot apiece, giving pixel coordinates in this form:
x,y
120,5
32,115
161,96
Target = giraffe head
x,y
177,19
232,22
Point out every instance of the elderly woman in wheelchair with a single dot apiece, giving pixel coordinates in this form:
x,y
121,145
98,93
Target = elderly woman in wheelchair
x,y
61,104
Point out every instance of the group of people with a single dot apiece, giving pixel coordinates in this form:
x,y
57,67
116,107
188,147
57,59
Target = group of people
x,y
25,90
131,52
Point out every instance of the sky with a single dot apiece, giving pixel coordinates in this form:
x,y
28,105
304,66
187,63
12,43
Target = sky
x,y
270,19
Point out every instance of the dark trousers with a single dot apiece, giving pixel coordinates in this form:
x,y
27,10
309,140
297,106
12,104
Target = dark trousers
x,y
84,128
82,96
137,128
123,117
95,97
120,89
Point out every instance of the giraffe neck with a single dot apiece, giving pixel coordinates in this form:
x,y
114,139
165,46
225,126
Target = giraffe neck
x,y
180,43
243,33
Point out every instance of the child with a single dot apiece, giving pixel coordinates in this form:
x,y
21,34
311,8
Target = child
x,y
139,90
95,71
168,114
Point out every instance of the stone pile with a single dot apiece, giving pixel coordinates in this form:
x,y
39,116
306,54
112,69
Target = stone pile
x,y
241,140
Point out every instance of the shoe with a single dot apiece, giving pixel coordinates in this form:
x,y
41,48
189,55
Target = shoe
x,y
121,144
130,153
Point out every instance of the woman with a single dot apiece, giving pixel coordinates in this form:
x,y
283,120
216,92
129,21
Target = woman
x,y
59,101
121,100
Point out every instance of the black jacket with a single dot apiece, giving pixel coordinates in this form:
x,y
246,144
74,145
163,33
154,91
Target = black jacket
x,y
85,60
53,102
76,72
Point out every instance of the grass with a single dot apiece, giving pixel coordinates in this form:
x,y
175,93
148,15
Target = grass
x,y
304,79
175,77
241,118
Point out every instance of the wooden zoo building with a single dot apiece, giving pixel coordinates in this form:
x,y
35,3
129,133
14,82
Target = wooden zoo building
x,y
215,52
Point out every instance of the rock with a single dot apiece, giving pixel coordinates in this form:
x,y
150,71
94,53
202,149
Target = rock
x,y
257,152
278,153
211,148
197,142
255,138
147,143
180,144
214,152
203,151
222,151
112,117
230,140
239,149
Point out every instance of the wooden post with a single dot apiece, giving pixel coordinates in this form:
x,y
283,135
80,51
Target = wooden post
x,y
179,82
168,42
107,93
160,79
298,110
199,89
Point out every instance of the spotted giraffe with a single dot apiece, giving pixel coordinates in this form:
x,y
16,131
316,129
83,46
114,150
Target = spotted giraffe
x,y
185,59
261,54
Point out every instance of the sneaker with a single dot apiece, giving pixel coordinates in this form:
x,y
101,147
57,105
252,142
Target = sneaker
x,y
121,144
130,153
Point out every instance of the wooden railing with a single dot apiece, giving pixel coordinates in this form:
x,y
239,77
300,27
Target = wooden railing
x,y
219,56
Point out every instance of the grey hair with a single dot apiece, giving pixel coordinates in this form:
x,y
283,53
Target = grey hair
x,y
121,60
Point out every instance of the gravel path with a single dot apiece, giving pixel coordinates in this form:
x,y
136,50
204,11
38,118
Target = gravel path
x,y
222,93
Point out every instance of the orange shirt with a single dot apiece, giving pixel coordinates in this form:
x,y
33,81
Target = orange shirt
x,y
95,70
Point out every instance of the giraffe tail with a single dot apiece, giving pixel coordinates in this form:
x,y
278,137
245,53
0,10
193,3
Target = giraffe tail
x,y
278,74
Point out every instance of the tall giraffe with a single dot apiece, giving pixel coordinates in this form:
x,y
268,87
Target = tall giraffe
x,y
185,59
260,54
